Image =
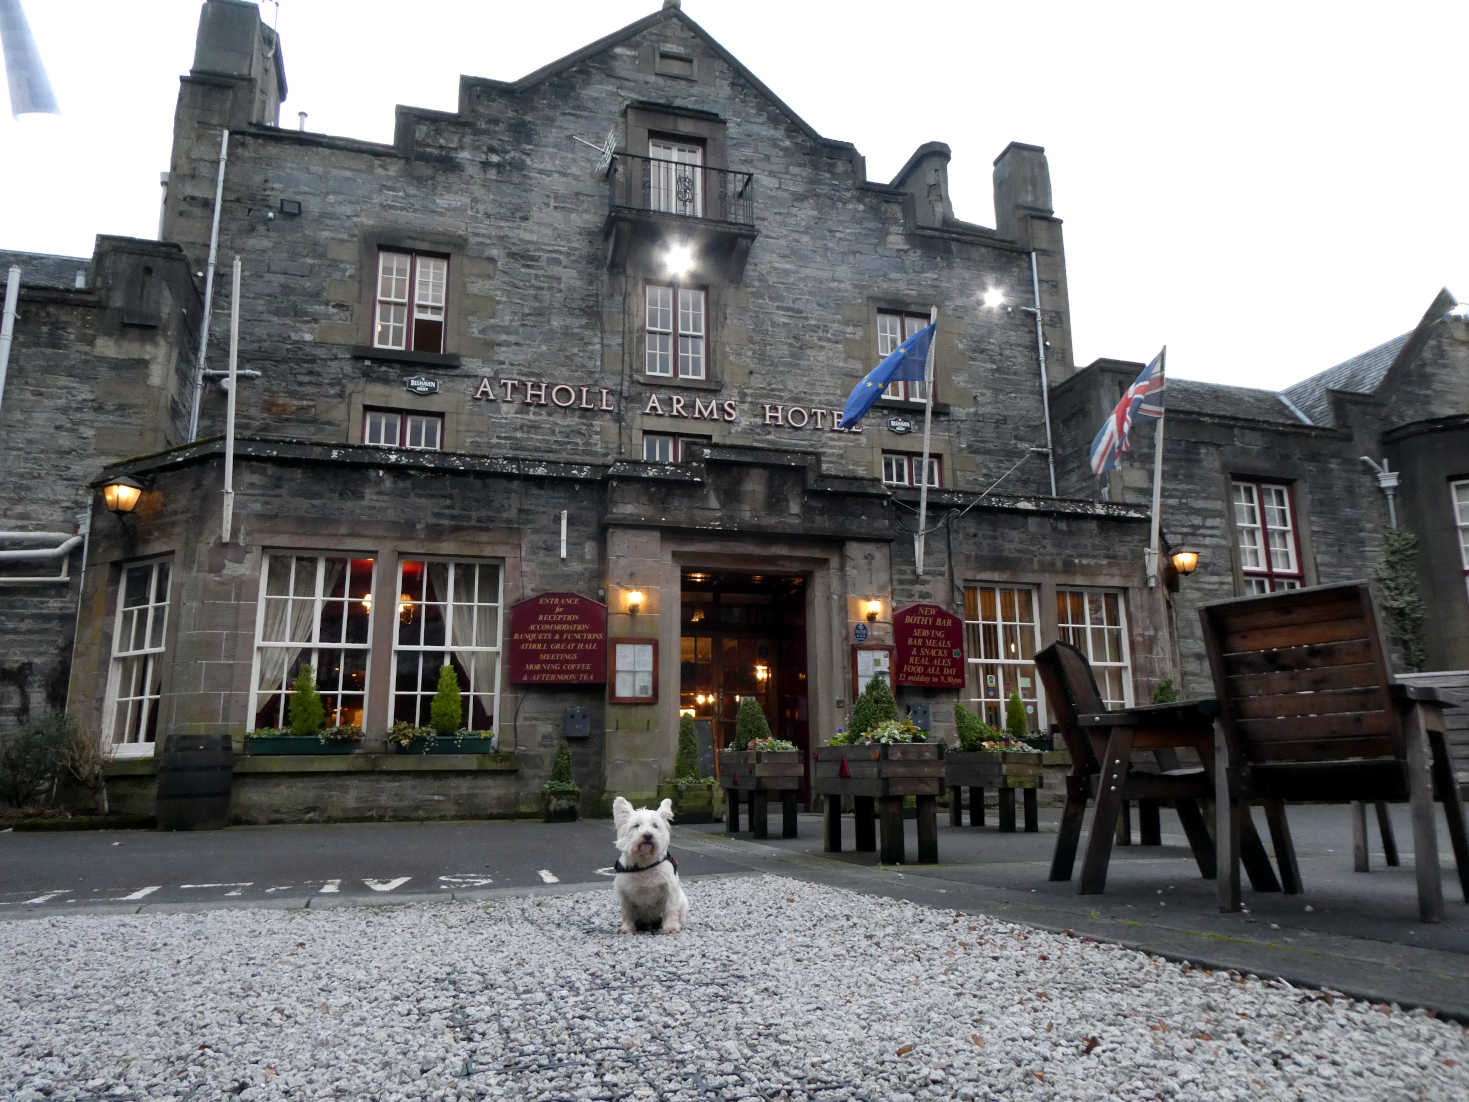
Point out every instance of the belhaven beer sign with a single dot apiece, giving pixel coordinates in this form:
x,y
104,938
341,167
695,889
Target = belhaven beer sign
x,y
930,647
558,639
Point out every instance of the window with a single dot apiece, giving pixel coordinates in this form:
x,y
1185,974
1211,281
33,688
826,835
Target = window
x,y
902,469
1460,491
411,292
1264,524
1093,622
314,611
634,671
892,330
1000,641
449,614
134,687
666,447
676,176
397,429
675,331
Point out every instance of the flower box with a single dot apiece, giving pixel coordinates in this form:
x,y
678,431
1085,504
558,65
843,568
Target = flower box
x,y
1006,771
297,744
877,776
445,746
752,775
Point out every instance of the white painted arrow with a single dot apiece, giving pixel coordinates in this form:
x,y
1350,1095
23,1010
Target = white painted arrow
x,y
386,885
548,878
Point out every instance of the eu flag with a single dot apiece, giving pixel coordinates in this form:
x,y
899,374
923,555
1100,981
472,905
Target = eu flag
x,y
908,361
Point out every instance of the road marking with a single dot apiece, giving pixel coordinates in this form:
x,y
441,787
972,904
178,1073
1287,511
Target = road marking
x,y
139,894
387,885
44,896
607,871
279,888
239,886
547,878
465,881
329,887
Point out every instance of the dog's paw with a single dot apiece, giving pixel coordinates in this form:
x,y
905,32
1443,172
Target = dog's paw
x,y
627,928
671,927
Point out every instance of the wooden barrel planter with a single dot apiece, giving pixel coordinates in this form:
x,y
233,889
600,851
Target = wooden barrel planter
x,y
754,775
1003,770
195,773
877,778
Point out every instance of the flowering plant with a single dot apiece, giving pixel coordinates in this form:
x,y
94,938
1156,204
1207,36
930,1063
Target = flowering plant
x,y
404,734
771,744
886,733
347,732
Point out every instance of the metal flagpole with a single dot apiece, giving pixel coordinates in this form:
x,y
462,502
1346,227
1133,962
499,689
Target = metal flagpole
x,y
1153,550
933,320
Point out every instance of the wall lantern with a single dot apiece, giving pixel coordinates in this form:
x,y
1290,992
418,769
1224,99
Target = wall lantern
x,y
1185,561
634,601
762,672
872,607
121,495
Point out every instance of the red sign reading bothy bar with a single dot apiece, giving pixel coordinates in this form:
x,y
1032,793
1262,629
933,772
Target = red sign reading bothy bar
x,y
558,639
930,647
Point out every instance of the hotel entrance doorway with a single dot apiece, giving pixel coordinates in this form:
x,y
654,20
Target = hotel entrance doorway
x,y
744,635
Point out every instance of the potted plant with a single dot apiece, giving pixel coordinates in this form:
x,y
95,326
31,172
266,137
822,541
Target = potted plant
x,y
755,766
560,796
443,735
696,798
1017,724
307,733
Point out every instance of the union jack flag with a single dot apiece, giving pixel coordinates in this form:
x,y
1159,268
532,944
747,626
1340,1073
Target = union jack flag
x,y
1143,399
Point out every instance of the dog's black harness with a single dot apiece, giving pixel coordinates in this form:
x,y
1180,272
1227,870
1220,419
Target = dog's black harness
x,y
620,867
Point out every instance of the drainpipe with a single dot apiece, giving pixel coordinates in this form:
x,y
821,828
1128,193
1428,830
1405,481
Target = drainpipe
x,y
1040,345
1387,481
224,145
12,293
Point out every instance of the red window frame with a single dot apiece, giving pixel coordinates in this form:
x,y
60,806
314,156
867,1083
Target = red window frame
x,y
424,323
893,328
1269,575
404,418
676,331
910,462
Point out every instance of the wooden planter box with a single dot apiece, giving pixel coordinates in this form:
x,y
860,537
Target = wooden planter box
x,y
878,778
447,746
298,744
752,775
693,801
1003,770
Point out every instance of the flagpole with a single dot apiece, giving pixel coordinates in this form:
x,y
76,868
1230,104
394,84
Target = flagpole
x,y
1153,552
933,320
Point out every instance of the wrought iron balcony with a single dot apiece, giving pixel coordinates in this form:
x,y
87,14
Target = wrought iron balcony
x,y
652,186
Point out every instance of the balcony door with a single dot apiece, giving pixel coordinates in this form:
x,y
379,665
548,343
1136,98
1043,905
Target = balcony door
x,y
676,177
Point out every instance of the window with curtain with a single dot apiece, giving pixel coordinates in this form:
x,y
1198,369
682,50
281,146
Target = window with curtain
x,y
449,613
1000,640
1093,621
314,610
135,679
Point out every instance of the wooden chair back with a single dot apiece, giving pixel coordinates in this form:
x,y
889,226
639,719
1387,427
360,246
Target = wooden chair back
x,y
1072,691
1302,676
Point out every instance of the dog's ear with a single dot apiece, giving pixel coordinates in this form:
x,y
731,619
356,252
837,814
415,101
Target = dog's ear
x,y
665,811
621,812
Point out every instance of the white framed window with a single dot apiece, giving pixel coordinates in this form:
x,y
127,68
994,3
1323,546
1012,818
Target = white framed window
x,y
675,332
1001,637
892,330
134,686
1264,524
450,613
676,176
902,469
412,290
398,429
1095,623
315,610
1460,491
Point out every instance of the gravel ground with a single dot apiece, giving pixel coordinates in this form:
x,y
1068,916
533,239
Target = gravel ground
x,y
777,989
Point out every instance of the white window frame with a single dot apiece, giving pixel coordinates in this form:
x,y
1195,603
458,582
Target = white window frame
x,y
676,330
1459,491
672,188
481,674
396,428
411,287
1003,648
1094,621
668,447
893,328
901,469
139,641
1266,535
305,597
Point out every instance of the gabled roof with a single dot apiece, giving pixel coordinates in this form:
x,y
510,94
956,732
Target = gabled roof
x,y
1360,375
1214,399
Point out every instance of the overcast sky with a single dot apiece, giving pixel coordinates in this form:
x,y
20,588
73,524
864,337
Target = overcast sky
x,y
1266,188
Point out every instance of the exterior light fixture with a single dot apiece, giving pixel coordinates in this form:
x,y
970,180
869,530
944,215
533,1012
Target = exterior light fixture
x,y
679,259
994,298
872,608
762,672
634,601
405,609
1185,561
121,495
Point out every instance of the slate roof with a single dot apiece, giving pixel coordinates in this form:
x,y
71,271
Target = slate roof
x,y
1360,375
1193,396
43,269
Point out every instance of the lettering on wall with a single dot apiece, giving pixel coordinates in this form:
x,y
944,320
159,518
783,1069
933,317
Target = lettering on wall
x,y
930,647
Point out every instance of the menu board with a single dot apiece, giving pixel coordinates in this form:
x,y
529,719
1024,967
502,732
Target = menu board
x,y
558,639
930,647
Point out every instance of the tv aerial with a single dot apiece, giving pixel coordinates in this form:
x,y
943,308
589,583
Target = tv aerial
x,y
606,149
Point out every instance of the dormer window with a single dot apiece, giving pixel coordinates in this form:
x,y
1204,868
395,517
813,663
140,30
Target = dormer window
x,y
676,176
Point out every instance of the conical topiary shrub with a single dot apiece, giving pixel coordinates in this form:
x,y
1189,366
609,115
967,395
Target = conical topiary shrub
x,y
875,706
749,724
306,712
443,713
686,761
1017,723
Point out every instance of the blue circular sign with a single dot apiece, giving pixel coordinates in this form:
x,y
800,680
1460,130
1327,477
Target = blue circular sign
x,y
859,633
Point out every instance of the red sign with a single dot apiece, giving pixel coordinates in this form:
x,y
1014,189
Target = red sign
x,y
558,639
930,647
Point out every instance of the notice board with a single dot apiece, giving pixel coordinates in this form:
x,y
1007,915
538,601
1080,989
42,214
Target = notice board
x,y
930,647
558,639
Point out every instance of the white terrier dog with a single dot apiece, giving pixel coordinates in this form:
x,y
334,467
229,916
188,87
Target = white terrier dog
x,y
647,877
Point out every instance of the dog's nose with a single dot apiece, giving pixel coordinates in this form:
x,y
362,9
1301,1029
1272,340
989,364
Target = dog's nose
x,y
647,835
